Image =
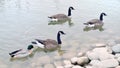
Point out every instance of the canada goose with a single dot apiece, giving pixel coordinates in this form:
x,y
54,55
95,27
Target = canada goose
x,y
96,21
61,16
49,43
22,53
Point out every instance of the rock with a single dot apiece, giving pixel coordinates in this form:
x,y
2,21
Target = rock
x,y
77,66
100,45
67,62
105,56
109,63
68,66
49,65
59,67
118,59
82,60
116,48
80,54
117,67
100,50
74,60
117,55
92,55
111,42
95,63
88,67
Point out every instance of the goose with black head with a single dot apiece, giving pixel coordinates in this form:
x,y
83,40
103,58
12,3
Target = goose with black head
x,y
50,43
58,17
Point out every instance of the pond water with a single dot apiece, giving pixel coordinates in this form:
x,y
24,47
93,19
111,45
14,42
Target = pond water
x,y
22,21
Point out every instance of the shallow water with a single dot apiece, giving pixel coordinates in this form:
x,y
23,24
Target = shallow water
x,y
24,20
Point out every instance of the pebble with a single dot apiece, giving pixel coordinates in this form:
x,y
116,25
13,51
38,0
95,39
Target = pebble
x,y
77,66
92,55
74,60
80,54
116,48
82,60
67,62
100,45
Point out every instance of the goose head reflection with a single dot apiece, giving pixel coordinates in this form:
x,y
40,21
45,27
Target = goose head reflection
x,y
61,22
95,27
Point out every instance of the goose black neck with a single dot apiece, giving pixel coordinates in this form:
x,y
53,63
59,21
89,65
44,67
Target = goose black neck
x,y
58,38
69,12
101,17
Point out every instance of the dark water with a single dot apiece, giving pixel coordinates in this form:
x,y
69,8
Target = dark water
x,y
21,21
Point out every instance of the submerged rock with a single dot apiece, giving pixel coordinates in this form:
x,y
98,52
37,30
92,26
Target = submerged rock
x,y
116,48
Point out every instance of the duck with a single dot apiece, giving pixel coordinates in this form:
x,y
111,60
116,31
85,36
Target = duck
x,y
20,53
58,17
95,22
49,43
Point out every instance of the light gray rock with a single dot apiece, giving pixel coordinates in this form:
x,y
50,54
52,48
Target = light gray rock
x,y
100,45
117,67
49,65
92,55
68,66
100,50
95,63
105,56
77,66
82,60
80,54
59,67
116,48
109,63
74,60
117,55
66,62
111,42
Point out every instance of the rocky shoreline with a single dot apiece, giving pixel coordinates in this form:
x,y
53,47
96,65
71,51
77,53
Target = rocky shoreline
x,y
101,56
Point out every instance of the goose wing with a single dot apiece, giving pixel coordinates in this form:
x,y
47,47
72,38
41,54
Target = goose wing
x,y
57,16
94,21
50,44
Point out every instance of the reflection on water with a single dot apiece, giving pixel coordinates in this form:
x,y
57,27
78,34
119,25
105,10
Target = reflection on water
x,y
61,22
96,27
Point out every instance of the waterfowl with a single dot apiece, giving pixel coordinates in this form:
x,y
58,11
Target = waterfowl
x,y
96,21
61,16
22,53
49,43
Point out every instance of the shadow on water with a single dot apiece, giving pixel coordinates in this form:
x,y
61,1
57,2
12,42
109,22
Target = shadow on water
x,y
61,22
96,27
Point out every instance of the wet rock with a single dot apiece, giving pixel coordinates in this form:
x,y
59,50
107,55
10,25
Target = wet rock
x,y
117,55
116,48
68,66
92,55
100,45
59,67
109,63
105,56
117,67
49,65
77,66
82,60
80,54
74,60
67,62
111,42
95,63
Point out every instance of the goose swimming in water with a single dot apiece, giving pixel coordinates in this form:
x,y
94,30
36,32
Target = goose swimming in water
x,y
22,53
49,43
96,21
61,16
